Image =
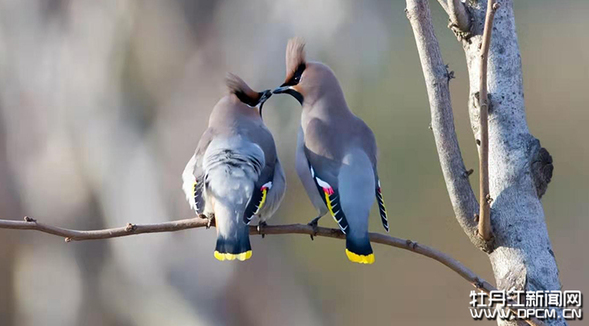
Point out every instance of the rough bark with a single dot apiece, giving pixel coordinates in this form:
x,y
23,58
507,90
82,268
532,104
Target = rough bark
x,y
519,168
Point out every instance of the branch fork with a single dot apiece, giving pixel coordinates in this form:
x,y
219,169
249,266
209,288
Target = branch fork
x,y
484,225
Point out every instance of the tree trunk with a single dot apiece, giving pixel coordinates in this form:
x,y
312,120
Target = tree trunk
x,y
519,168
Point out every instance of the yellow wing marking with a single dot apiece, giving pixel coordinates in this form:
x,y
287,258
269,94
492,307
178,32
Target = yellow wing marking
x,y
263,201
328,201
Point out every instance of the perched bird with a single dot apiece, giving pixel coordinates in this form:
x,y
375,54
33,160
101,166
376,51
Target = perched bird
x,y
235,173
336,152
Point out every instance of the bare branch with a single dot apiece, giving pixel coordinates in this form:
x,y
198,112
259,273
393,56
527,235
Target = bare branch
x,y
436,74
198,222
458,15
484,227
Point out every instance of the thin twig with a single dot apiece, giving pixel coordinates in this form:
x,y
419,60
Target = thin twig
x,y
484,227
197,222
435,73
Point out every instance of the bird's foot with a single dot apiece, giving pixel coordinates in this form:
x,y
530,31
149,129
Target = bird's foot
x,y
261,226
209,217
314,224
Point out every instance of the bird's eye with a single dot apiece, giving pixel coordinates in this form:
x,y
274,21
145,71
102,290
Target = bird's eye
x,y
299,73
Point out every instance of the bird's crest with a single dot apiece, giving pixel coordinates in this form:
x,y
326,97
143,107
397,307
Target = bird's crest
x,y
238,87
295,55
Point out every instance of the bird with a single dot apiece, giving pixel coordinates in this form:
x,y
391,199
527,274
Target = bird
x,y
336,157
235,174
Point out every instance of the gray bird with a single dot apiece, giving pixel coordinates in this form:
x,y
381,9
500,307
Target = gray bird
x,y
235,174
336,152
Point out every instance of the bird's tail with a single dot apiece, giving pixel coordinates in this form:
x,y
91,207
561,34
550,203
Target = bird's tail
x,y
233,240
356,187
359,250
232,167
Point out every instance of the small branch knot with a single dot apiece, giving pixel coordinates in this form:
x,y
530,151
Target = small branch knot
x,y
449,73
475,99
467,173
130,227
411,244
487,246
30,219
460,34
542,168
478,283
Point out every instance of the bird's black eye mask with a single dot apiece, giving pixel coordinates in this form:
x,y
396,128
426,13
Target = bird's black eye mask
x,y
294,80
251,101
256,101
296,77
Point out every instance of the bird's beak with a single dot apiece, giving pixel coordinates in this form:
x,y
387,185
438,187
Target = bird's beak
x,y
291,91
281,89
265,96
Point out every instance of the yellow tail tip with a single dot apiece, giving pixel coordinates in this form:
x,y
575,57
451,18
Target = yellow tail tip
x,y
226,256
360,259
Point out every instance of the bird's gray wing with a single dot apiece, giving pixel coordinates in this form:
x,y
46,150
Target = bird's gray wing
x,y
260,193
368,142
270,186
322,151
193,175
304,173
267,195
326,182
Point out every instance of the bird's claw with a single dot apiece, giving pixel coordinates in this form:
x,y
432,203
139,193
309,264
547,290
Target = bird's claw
x,y
314,225
260,228
209,217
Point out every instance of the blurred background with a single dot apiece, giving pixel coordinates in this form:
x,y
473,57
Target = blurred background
x,y
102,103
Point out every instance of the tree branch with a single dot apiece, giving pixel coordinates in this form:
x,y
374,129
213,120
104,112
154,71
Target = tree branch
x,y
197,222
436,77
484,227
458,16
